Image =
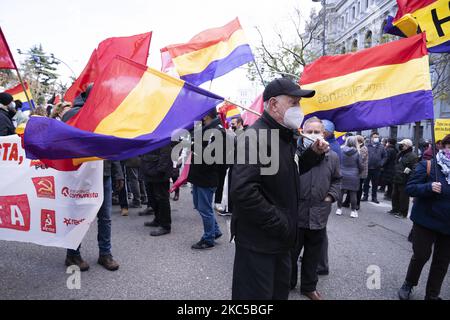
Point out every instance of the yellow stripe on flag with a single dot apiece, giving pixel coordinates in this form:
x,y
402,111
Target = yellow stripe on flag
x,y
143,109
197,61
368,84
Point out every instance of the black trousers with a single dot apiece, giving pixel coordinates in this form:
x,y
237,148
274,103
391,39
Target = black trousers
x,y
400,199
161,202
311,241
260,276
423,241
360,192
322,266
372,177
219,191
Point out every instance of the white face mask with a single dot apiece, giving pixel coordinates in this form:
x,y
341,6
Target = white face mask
x,y
376,140
293,117
307,143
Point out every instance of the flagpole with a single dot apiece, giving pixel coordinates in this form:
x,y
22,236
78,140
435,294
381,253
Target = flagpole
x,y
24,89
15,67
246,109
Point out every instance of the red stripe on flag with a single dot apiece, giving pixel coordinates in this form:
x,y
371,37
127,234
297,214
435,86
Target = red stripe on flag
x,y
17,89
93,115
205,39
395,52
410,6
134,48
6,58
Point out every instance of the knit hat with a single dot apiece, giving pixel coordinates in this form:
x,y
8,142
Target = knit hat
x,y
329,126
5,98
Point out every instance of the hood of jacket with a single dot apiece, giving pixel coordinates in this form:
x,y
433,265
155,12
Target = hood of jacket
x,y
349,151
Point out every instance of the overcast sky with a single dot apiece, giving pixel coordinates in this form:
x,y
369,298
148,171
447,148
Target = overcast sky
x,y
72,29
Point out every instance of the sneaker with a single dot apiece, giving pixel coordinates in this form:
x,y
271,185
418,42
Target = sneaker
x,y
354,214
108,262
404,293
218,208
224,213
375,201
365,199
77,261
124,212
152,224
432,298
339,212
392,212
218,236
176,197
201,245
160,231
146,212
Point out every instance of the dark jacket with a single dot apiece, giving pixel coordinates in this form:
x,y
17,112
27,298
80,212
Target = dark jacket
x,y
78,103
377,156
133,162
202,174
156,166
405,159
265,207
389,165
351,168
315,185
430,210
6,125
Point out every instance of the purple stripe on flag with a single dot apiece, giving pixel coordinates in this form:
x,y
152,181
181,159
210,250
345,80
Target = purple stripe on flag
x,y
51,139
396,110
441,48
241,55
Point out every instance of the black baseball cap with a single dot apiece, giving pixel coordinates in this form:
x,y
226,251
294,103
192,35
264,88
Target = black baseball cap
x,y
283,86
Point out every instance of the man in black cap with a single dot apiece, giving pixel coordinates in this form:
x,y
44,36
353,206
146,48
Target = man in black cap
x,y
7,112
265,207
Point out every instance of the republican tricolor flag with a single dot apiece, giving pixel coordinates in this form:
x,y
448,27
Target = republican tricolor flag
x,y
6,58
19,94
373,88
429,16
211,53
131,110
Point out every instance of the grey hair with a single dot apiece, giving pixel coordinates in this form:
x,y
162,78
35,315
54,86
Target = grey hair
x,y
352,142
266,105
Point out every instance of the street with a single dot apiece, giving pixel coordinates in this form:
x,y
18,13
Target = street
x,y
167,268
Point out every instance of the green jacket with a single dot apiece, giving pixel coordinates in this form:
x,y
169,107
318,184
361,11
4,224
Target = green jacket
x,y
405,159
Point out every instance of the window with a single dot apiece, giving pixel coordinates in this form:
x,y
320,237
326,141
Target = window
x,y
358,12
366,5
343,49
355,45
368,39
353,13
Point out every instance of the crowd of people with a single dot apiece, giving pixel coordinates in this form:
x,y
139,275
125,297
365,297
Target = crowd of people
x,y
274,218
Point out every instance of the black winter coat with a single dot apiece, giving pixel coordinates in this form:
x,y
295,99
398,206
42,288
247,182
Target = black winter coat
x,y
202,174
265,207
405,159
389,166
156,166
6,125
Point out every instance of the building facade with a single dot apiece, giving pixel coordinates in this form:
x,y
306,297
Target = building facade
x,y
353,25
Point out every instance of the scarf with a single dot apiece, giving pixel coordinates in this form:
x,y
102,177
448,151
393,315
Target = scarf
x,y
444,162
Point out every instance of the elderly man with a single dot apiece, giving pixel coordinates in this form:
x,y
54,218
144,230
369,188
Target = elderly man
x,y
265,207
319,188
